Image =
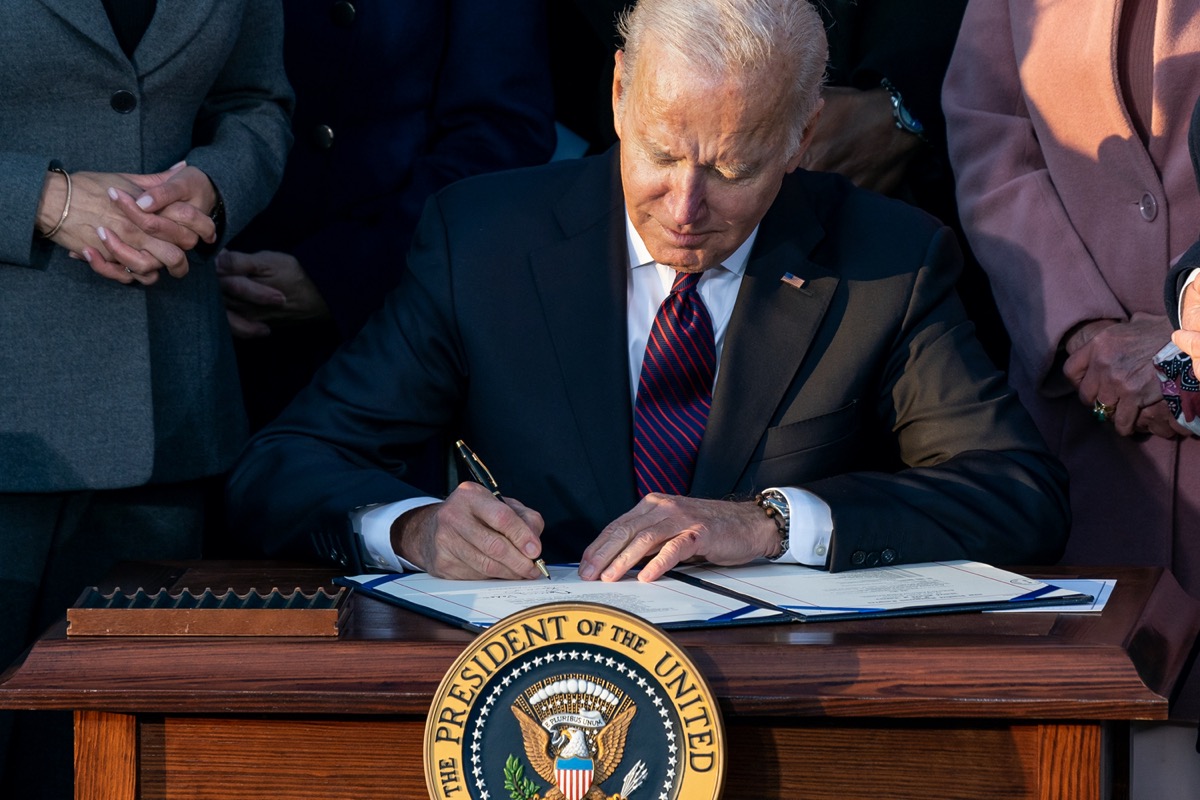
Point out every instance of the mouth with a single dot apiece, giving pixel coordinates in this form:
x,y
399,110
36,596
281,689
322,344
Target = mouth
x,y
683,239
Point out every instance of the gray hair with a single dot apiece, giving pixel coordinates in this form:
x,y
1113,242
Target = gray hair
x,y
743,38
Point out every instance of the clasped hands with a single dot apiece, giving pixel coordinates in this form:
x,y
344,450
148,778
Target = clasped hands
x,y
130,227
1111,361
474,536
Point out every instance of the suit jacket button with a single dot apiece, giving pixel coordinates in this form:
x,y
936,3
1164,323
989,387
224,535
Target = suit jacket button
x,y
858,558
123,101
872,559
342,13
323,136
1149,207
888,556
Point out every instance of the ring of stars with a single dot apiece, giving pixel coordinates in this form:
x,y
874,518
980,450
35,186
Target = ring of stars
x,y
572,655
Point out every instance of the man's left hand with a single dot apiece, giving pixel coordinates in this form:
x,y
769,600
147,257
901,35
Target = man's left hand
x,y
1187,338
672,530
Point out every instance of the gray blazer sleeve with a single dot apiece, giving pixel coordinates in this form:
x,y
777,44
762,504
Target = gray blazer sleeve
x,y
243,129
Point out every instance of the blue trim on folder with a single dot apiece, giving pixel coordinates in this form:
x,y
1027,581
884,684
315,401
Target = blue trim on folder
x,y
1034,594
735,613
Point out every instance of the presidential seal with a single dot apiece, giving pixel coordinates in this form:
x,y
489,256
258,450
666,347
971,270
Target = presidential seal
x,y
577,701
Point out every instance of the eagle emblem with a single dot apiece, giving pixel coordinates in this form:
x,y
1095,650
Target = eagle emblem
x,y
574,729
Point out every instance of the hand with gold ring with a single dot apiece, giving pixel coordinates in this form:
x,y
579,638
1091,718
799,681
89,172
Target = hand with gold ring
x,y
1113,372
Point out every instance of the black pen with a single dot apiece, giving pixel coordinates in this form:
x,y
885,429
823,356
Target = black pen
x,y
483,475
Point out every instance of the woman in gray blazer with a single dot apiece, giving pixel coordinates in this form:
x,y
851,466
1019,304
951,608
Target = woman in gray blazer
x,y
118,391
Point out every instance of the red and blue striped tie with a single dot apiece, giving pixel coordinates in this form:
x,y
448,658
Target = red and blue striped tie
x,y
674,391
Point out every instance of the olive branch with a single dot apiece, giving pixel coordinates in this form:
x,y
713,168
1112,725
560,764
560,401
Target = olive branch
x,y
519,787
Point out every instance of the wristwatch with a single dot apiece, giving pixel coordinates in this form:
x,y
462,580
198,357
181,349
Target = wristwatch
x,y
775,504
904,119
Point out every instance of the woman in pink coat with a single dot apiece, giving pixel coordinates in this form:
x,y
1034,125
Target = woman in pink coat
x,y
1068,126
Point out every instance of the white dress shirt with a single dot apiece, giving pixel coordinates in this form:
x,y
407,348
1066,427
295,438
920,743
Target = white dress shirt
x,y
811,520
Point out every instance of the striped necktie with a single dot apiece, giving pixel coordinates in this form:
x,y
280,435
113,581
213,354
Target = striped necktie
x,y
674,391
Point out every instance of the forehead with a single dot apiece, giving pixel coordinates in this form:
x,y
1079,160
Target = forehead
x,y
685,110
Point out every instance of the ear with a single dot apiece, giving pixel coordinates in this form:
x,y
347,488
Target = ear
x,y
807,138
617,90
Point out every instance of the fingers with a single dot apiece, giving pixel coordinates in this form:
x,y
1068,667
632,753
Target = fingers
x,y
1075,369
186,185
1125,417
1157,420
160,226
472,536
144,261
628,539
145,181
683,546
233,262
1188,341
239,290
532,519
193,219
114,271
244,327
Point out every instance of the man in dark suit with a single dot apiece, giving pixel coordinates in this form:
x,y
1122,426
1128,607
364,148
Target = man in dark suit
x,y
849,417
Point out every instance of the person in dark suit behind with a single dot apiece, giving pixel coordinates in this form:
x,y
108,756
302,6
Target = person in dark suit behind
x,y
831,378
394,100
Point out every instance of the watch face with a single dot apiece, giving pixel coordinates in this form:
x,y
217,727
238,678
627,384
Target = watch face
x,y
908,121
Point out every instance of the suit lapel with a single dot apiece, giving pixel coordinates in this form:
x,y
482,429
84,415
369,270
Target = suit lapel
x,y
171,29
90,20
769,333
582,284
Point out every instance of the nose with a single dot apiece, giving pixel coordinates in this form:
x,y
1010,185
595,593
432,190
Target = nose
x,y
685,196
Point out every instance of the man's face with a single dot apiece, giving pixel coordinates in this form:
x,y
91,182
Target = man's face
x,y
701,159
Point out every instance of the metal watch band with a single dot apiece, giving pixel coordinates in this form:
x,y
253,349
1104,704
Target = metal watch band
x,y
775,505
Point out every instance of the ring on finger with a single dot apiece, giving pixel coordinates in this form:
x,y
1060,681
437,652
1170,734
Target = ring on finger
x,y
1103,412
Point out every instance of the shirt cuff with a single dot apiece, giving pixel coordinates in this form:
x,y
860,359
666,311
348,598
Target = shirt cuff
x,y
810,527
373,524
1186,284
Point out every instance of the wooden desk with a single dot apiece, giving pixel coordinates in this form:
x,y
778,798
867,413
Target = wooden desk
x,y
1030,705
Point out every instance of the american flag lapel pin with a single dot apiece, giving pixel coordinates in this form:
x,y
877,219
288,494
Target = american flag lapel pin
x,y
792,281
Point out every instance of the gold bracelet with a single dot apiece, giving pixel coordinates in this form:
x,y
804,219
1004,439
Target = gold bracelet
x,y
57,167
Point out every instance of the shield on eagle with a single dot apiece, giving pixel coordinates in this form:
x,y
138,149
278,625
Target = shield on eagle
x,y
573,776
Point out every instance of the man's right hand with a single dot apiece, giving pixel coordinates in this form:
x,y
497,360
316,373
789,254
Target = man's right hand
x,y
471,536
1187,338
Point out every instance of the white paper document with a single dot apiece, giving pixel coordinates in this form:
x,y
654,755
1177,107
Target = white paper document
x,y
964,585
480,604
709,596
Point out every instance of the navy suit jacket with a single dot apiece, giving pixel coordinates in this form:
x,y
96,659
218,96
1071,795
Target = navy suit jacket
x,y
865,386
